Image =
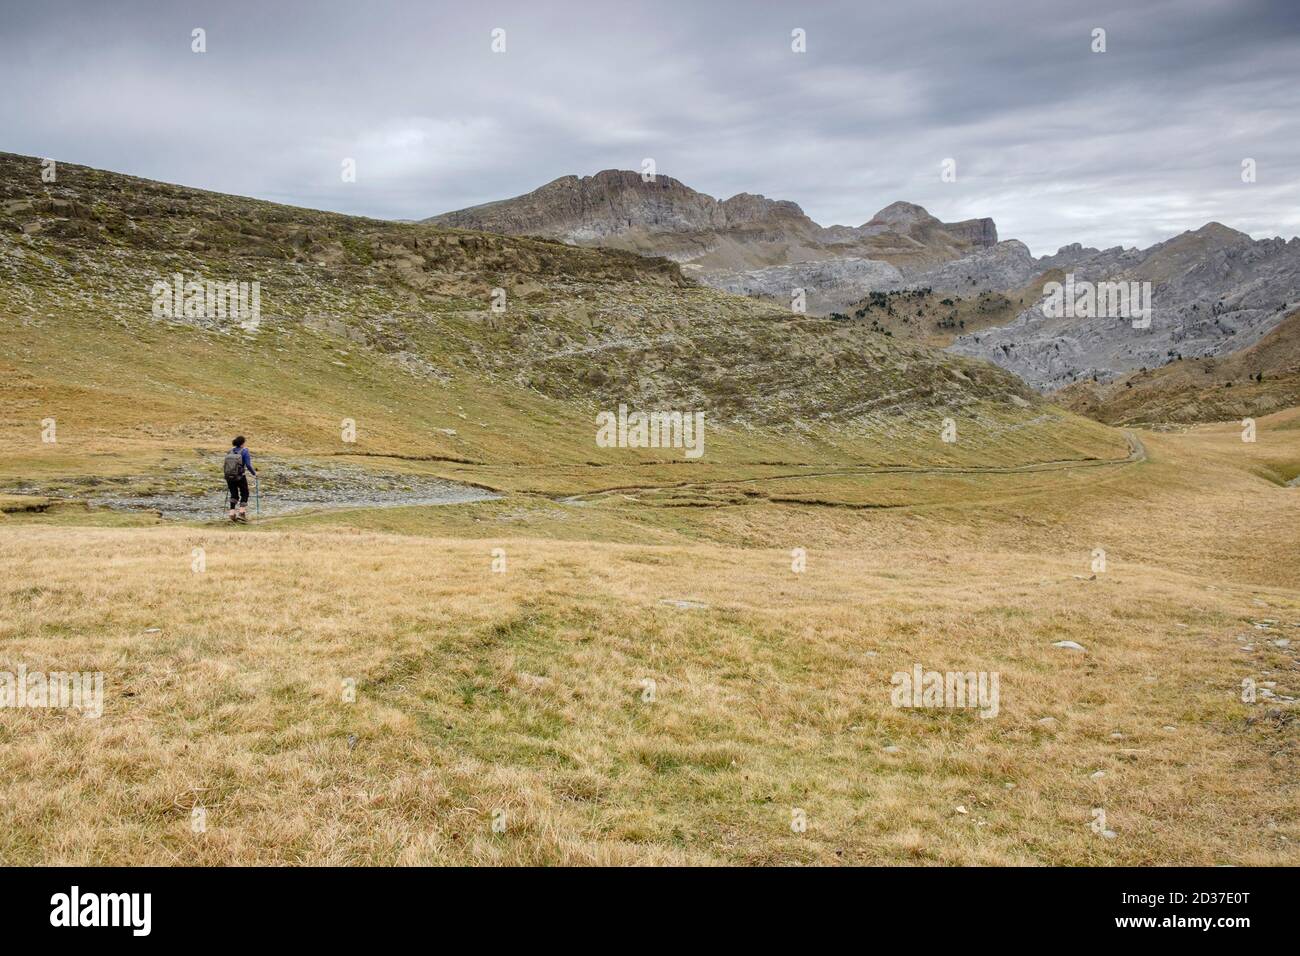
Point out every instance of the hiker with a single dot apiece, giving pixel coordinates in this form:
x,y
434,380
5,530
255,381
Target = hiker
x,y
238,462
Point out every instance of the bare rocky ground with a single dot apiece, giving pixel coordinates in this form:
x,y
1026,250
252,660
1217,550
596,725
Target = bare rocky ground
x,y
198,492
1214,291
830,284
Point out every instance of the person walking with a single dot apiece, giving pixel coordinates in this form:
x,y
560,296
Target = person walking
x,y
237,466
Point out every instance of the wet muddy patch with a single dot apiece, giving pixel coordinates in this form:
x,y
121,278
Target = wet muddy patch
x,y
199,493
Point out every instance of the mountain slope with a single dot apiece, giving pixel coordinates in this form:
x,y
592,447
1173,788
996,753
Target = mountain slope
x,y
745,243
1213,291
391,326
1256,381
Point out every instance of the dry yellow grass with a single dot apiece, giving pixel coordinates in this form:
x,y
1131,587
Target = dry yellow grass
x,y
523,691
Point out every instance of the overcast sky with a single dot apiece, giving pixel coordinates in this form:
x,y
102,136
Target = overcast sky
x,y
1055,142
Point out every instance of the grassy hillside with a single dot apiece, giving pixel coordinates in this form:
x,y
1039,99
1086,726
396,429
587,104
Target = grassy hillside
x,y
390,325
1252,382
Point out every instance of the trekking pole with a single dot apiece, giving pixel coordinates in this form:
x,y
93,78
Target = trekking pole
x,y
257,491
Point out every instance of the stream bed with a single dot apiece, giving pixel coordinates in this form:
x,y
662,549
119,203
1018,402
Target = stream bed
x,y
287,486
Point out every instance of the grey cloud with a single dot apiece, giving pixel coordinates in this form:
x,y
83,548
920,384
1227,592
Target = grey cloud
x,y
1057,143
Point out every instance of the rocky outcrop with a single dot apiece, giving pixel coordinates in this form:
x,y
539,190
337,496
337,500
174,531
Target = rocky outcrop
x,y
978,232
1252,382
1214,291
1006,265
831,285
588,210
909,219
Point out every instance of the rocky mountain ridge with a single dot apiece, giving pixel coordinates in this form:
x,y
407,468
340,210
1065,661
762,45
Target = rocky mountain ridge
x,y
1214,290
748,242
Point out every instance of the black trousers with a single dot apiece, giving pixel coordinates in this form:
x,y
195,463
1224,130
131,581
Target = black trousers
x,y
238,490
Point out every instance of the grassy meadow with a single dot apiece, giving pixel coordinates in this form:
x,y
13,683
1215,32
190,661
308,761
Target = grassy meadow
x,y
521,694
